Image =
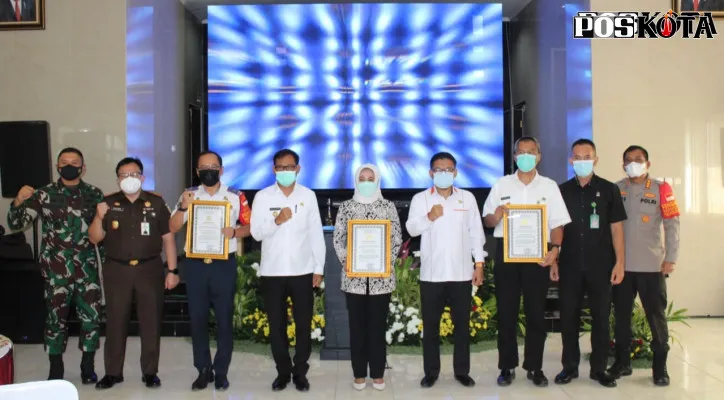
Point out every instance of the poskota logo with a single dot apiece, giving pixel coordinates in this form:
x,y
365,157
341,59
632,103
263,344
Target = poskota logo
x,y
643,25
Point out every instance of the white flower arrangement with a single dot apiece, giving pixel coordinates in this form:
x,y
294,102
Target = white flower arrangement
x,y
256,268
416,254
403,323
317,335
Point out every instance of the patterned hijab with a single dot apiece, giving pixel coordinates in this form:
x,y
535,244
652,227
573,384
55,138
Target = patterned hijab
x,y
357,195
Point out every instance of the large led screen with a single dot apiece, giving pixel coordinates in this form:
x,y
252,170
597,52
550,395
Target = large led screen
x,y
347,84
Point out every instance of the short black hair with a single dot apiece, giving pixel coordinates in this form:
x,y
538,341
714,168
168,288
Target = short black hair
x,y
443,156
129,160
207,152
286,152
525,139
71,150
634,148
583,142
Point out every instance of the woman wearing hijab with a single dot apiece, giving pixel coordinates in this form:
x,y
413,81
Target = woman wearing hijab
x,y
368,299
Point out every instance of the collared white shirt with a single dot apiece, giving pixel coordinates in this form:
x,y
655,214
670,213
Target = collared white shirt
x,y
541,190
295,247
448,245
239,206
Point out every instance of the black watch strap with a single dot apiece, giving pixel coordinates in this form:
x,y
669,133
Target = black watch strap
x,y
173,271
183,209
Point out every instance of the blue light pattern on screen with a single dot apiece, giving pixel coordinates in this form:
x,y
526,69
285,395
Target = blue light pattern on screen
x,y
139,90
579,118
346,84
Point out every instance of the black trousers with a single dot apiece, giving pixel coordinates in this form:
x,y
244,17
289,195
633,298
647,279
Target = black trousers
x,y
211,285
510,280
275,290
123,283
367,327
651,288
574,282
434,297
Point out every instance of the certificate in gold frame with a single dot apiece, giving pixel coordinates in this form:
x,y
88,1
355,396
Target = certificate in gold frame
x,y
539,209
386,225
190,227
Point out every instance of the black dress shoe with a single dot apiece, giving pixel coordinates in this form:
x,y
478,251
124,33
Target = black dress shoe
x,y
465,380
506,377
280,383
661,378
206,376
618,370
566,376
538,378
108,381
604,379
301,383
428,381
151,381
88,378
221,383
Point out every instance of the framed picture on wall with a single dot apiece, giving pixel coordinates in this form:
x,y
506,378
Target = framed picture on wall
x,y
715,7
22,14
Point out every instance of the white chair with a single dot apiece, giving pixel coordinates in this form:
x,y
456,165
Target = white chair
x,y
42,390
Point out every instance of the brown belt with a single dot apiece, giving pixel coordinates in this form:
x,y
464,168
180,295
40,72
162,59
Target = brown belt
x,y
133,262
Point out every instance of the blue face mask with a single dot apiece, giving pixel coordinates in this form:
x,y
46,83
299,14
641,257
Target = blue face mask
x,y
583,168
443,180
367,189
286,178
525,162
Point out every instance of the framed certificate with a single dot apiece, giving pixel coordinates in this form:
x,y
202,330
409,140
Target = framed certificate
x,y
525,234
368,249
204,236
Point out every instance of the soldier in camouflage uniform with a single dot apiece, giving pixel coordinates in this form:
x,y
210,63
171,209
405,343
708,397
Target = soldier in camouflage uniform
x,y
68,259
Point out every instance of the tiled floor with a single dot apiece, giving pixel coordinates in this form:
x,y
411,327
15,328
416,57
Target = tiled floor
x,y
697,373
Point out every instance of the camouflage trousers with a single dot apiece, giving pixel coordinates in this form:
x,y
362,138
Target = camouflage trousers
x,y
60,294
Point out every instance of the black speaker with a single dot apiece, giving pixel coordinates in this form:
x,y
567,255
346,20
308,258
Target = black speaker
x,y
24,155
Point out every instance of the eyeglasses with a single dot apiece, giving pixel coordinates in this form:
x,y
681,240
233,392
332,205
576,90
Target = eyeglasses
x,y
285,167
130,175
448,170
209,166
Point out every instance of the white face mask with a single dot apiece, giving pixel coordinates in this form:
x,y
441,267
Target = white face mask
x,y
130,185
634,169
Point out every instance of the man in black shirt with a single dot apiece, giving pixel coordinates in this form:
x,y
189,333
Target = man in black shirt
x,y
591,259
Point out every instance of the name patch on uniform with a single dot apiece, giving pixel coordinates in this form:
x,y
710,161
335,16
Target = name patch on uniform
x,y
649,201
119,209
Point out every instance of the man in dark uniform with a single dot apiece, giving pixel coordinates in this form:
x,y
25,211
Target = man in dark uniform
x,y
650,205
212,282
67,258
134,226
591,259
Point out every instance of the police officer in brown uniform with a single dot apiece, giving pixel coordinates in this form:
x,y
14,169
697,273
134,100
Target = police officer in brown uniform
x,y
650,205
134,226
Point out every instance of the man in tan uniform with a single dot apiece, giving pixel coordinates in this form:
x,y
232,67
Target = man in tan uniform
x,y
649,205
134,226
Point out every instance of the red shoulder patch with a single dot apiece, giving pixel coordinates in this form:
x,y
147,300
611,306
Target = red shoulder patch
x,y
669,207
245,210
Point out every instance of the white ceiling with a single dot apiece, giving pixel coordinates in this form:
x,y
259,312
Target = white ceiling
x,y
511,8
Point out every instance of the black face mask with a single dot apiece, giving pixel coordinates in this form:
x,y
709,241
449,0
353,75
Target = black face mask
x,y
69,172
209,177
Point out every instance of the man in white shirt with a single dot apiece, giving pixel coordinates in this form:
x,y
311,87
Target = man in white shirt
x,y
212,282
285,218
525,186
452,237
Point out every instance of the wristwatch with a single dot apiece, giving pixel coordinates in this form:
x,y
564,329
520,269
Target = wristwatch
x,y
554,246
479,264
173,271
183,209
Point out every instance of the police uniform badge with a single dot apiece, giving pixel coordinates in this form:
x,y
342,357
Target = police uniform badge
x,y
275,214
118,203
147,204
114,225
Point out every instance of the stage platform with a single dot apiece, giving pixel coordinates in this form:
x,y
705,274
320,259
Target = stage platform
x,y
697,373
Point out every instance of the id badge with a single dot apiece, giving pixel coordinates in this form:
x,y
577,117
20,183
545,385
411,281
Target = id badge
x,y
145,229
594,221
